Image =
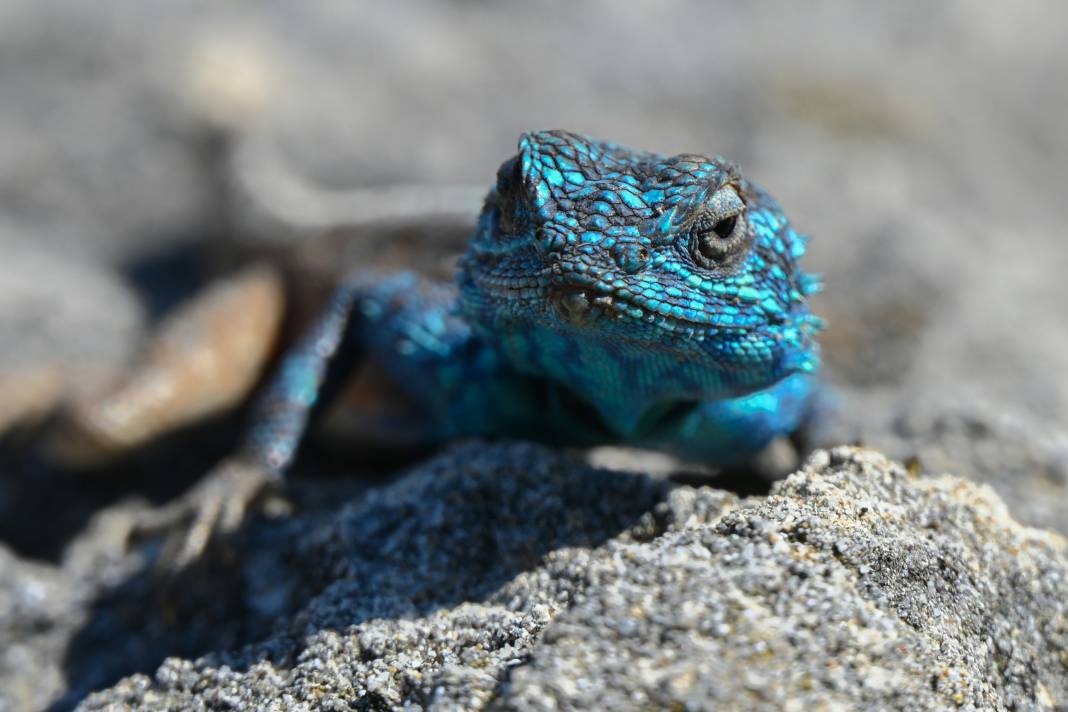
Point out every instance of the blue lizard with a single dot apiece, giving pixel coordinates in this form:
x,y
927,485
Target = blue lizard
x,y
607,295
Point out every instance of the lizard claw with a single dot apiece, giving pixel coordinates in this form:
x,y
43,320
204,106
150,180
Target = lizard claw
x,y
215,508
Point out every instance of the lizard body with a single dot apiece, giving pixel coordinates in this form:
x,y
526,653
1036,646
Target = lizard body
x,y
607,295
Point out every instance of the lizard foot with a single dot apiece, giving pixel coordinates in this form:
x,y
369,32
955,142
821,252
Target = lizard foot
x,y
213,509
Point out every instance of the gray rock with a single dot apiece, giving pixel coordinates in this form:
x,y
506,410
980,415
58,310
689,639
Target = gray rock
x,y
32,599
852,585
98,152
45,606
67,324
509,577
1018,455
62,310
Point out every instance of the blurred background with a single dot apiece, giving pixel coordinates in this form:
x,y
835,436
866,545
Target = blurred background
x,y
146,147
923,146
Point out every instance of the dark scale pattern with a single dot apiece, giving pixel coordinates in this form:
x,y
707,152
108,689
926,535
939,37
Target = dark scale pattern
x,y
607,295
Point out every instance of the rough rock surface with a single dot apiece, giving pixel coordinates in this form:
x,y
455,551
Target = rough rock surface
x,y
31,598
509,577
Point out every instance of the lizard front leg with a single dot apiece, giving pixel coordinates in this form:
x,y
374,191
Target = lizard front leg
x,y
408,328
219,503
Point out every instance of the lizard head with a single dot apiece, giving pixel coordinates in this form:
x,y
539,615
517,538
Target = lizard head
x,y
640,253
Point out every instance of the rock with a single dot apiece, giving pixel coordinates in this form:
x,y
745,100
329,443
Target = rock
x,y
32,598
852,585
1021,456
62,310
510,577
67,325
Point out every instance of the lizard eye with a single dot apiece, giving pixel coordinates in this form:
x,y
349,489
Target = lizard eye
x,y
725,227
719,233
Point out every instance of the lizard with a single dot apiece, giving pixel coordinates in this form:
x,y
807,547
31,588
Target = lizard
x,y
606,295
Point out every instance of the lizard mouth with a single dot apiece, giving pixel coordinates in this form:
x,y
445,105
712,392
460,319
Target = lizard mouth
x,y
583,306
586,305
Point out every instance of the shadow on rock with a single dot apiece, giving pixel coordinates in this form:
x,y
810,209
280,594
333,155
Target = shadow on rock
x,y
457,529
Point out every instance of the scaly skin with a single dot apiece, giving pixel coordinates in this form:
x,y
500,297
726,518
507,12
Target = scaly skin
x,y
608,295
